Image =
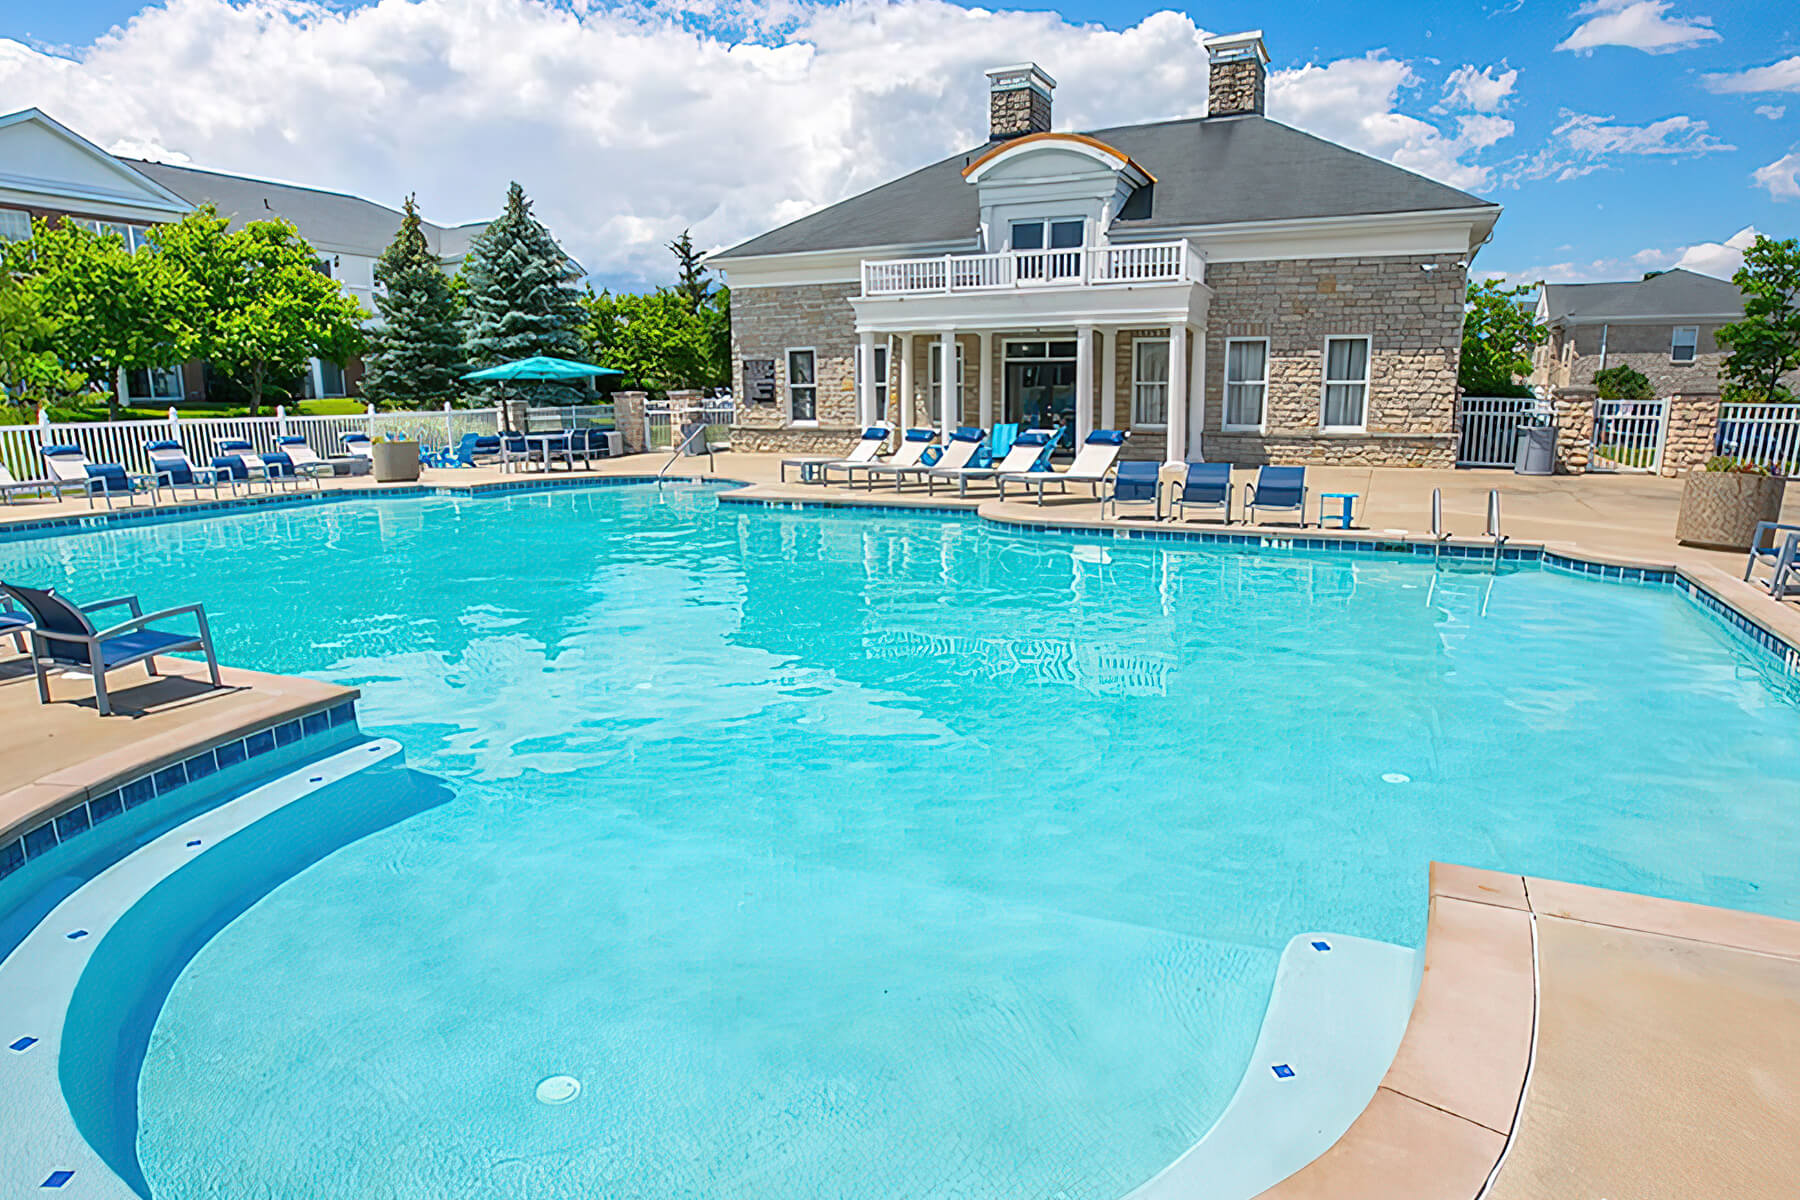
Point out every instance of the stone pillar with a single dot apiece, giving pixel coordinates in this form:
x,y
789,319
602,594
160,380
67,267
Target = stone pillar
x,y
865,371
948,417
1084,383
628,419
903,402
1691,434
1106,349
984,375
1574,413
1175,439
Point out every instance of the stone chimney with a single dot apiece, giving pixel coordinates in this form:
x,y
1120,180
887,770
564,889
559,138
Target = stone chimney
x,y
1239,67
1018,101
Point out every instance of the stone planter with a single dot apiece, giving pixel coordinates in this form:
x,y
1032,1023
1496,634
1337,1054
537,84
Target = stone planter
x,y
1720,509
396,462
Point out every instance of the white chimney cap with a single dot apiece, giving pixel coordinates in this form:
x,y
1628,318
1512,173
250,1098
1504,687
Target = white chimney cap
x,y
1020,75
1237,45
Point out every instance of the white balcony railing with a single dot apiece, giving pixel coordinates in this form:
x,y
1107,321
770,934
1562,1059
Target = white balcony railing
x,y
1093,266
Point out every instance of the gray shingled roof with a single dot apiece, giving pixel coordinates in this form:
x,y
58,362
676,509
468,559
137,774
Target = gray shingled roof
x,y
330,220
1670,294
1208,171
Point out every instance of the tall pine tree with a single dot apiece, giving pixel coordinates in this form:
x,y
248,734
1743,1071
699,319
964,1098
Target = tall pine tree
x,y
416,356
691,283
518,304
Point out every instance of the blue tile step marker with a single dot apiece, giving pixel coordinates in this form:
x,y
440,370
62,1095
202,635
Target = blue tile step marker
x,y
22,1045
58,1178
1282,1071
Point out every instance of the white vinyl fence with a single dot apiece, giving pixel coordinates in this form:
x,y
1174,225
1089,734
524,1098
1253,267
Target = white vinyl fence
x,y
551,419
1489,428
123,441
1628,435
1766,434
663,419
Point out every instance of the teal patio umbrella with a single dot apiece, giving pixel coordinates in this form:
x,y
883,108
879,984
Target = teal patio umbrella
x,y
539,367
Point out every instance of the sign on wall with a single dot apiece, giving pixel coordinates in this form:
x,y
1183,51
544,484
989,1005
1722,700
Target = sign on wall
x,y
759,380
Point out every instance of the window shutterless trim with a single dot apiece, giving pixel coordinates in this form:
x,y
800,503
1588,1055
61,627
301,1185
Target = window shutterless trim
x,y
787,365
1262,424
1693,346
1165,382
1326,382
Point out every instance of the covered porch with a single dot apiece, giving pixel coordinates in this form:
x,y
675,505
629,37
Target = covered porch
x,y
1124,355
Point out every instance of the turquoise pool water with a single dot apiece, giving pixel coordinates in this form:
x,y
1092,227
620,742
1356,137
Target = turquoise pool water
x,y
842,855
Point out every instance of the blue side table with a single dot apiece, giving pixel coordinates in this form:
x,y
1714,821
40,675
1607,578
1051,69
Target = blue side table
x,y
1346,502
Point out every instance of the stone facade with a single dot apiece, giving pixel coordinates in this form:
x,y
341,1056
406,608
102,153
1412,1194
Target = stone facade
x,y
1572,356
1014,112
1692,430
1235,86
1413,318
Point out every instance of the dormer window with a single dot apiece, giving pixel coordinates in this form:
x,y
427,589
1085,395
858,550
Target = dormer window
x,y
1062,235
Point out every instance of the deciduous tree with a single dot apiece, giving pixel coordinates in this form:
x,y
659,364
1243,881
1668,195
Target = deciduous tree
x,y
1765,345
1498,336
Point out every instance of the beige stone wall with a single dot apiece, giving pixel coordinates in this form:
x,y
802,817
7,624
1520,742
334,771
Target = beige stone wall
x,y
1014,112
766,323
1413,318
1692,431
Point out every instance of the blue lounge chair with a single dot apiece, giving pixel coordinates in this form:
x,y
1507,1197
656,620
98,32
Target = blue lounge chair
x,y
62,637
276,470
1134,483
1208,485
1777,547
54,488
812,466
305,459
910,453
1279,488
69,465
171,459
964,444
14,623
1001,439
478,450
1030,451
1093,465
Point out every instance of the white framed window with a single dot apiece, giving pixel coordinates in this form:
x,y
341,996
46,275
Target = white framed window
x,y
1149,382
802,387
15,225
1345,398
881,380
937,380
155,383
1065,233
1246,383
1684,345
135,237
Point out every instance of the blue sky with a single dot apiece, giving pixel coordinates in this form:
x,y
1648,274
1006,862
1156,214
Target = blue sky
x,y
1621,135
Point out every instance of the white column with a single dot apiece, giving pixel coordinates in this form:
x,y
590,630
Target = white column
x,y
865,399
984,374
948,417
903,404
1107,344
1084,384
1196,447
1176,430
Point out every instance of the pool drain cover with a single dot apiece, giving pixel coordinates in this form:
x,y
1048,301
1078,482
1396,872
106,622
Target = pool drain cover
x,y
559,1089
1396,777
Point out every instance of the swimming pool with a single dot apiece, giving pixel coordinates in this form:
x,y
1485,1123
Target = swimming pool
x,y
849,854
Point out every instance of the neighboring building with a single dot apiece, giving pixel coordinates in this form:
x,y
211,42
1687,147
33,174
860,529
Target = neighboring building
x,y
1224,286
1662,325
49,172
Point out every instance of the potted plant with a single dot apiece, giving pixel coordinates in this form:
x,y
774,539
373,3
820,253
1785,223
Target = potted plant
x,y
396,460
1722,501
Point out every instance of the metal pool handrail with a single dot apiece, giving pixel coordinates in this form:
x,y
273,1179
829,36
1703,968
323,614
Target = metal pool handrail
x,y
699,431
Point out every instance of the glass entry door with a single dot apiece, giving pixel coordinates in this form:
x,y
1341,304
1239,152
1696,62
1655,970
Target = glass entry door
x,y
1040,387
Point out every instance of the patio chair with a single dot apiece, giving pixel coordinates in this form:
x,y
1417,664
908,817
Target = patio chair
x,y
1279,488
1781,554
910,453
867,447
1029,451
14,623
276,470
1134,483
63,637
10,487
69,465
304,458
959,452
1207,485
1092,465
514,449
478,450
358,445
171,459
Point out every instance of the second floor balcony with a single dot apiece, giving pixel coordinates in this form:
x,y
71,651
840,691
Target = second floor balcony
x,y
1014,270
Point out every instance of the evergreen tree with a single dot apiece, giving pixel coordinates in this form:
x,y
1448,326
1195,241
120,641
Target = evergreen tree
x,y
416,355
691,283
518,304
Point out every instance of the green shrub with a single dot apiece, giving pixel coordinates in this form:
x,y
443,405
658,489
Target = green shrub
x,y
1623,382
1731,464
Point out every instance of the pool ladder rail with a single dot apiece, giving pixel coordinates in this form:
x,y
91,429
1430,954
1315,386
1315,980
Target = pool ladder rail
x,y
698,431
1439,535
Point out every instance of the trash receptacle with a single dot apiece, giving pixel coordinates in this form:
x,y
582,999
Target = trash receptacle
x,y
1536,451
692,439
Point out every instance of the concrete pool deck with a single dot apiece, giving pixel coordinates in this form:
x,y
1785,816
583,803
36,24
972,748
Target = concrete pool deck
x,y
1566,1041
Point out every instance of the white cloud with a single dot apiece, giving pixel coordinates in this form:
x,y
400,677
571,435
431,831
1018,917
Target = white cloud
x,y
627,123
1772,111
1639,24
1484,89
1783,76
1721,259
1584,143
1780,178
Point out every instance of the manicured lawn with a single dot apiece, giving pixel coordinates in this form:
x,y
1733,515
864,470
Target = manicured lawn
x,y
342,406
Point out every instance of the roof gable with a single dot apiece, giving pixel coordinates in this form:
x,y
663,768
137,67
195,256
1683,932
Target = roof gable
x,y
60,168
1207,171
